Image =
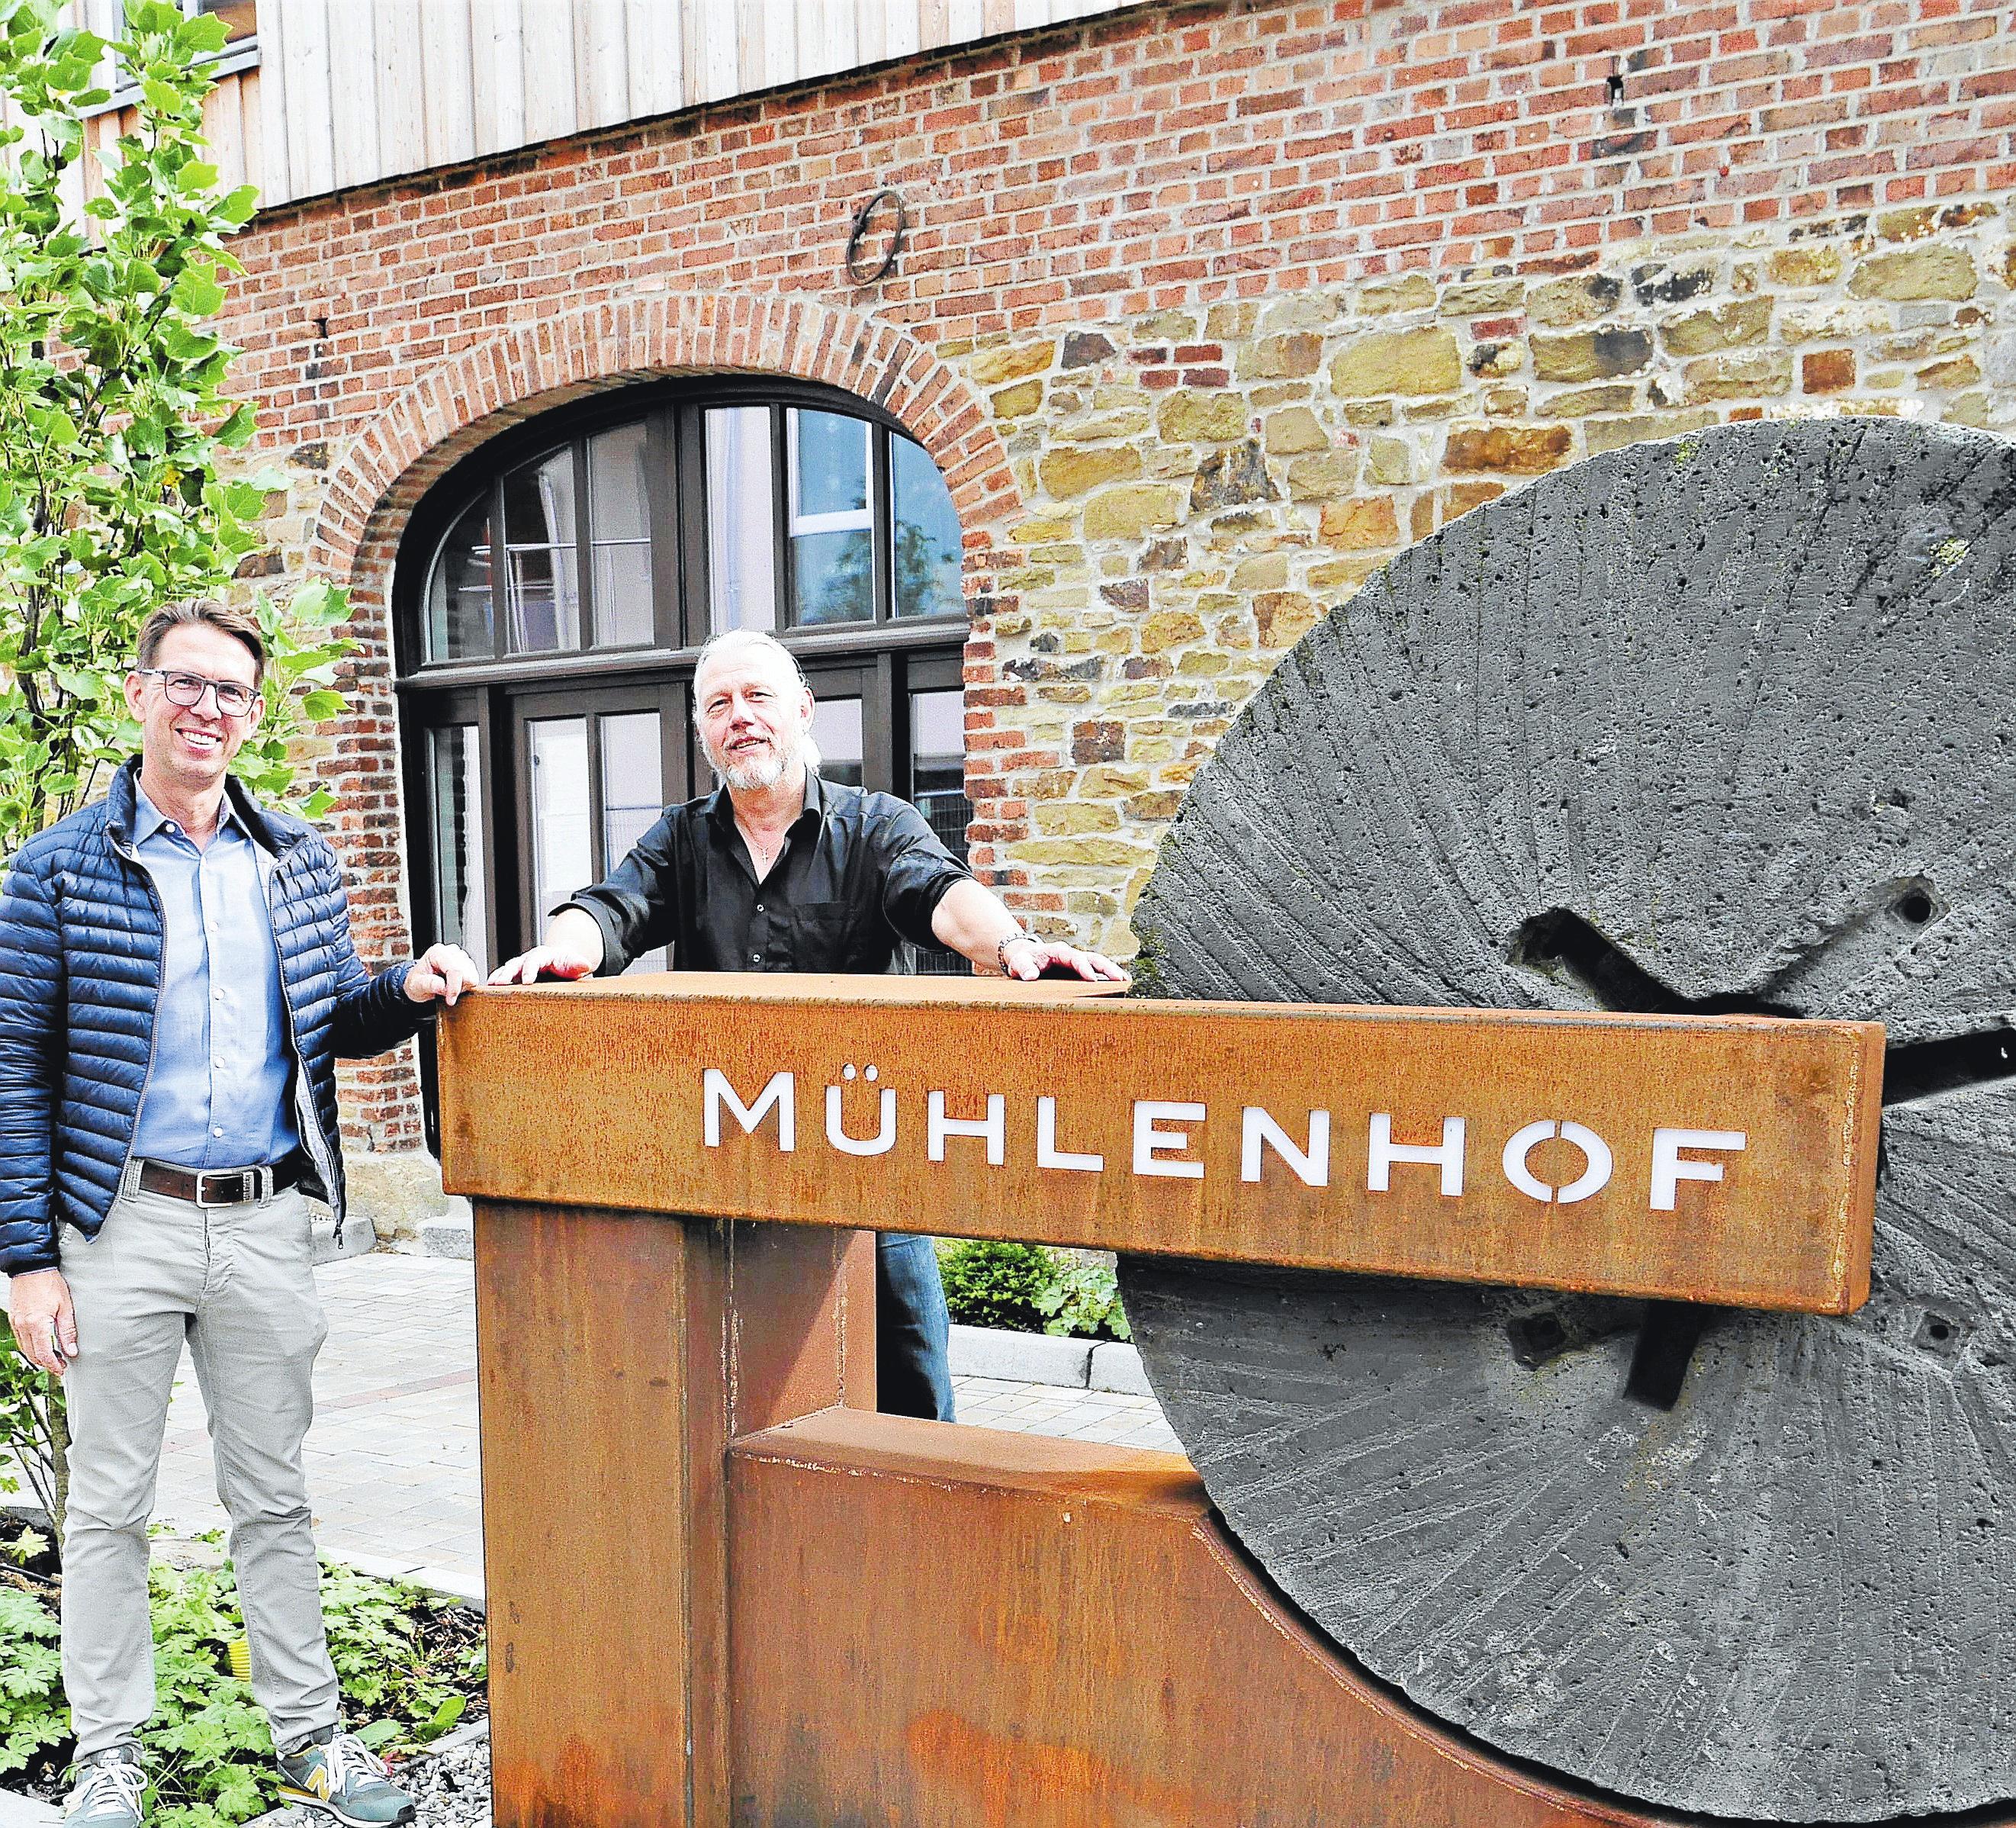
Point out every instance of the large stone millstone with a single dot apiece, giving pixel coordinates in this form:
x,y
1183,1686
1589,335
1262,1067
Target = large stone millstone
x,y
1730,721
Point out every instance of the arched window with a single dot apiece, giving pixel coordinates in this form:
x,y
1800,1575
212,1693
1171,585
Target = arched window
x,y
552,594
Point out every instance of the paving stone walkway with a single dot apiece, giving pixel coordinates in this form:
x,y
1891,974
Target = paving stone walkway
x,y
392,1459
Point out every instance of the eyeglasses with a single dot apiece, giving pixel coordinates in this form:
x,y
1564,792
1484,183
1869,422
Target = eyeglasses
x,y
187,689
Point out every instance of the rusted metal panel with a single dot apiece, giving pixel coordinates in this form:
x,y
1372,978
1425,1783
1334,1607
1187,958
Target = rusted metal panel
x,y
1728,1159
951,1628
613,1370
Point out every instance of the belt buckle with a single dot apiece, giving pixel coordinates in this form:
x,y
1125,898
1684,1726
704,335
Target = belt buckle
x,y
247,1184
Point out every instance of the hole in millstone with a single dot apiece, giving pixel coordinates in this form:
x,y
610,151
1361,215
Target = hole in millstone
x,y
1941,1335
1536,1338
1914,906
1560,946
1573,1323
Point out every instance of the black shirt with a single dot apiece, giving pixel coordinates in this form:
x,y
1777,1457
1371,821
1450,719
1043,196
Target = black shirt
x,y
858,872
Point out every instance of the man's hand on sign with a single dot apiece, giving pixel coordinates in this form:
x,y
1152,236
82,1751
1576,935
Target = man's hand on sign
x,y
443,971
971,919
45,1325
541,961
572,949
1028,958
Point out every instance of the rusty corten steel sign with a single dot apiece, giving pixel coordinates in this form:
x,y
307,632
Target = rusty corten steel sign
x,y
1725,1160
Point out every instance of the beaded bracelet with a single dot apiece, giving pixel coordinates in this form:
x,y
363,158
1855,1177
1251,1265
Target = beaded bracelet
x,y
1001,948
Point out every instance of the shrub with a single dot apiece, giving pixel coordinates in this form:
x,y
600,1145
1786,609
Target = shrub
x,y
1025,1288
33,1431
992,1284
33,1716
1083,1302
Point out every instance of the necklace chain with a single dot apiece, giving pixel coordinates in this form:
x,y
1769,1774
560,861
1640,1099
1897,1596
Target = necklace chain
x,y
766,851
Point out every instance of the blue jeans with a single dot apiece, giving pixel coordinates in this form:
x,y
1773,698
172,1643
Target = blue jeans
x,y
912,1374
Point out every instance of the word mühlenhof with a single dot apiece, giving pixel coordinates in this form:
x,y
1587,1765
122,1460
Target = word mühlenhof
x,y
1165,1142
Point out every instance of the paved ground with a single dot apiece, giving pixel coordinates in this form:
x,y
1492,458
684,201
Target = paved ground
x,y
392,1460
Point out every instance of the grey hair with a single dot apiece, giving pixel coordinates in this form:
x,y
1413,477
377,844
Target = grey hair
x,y
733,642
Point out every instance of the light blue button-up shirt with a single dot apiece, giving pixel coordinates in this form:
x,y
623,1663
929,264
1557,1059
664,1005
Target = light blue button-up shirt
x,y
221,1091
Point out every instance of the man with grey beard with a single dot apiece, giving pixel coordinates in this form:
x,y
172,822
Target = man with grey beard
x,y
781,871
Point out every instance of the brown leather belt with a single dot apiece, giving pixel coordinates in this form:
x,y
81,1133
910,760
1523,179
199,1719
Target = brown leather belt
x,y
219,1186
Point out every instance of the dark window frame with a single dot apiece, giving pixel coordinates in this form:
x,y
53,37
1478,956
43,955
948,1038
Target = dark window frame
x,y
678,521
888,657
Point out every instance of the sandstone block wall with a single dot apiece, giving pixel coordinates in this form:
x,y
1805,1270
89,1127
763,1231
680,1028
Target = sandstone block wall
x,y
1201,484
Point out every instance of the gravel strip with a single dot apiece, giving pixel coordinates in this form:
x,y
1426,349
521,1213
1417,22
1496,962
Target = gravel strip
x,y
452,1788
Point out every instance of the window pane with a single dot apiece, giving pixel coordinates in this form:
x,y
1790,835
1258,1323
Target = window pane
x,y
240,17
829,455
632,793
539,534
623,595
562,861
937,789
455,779
830,577
459,591
937,765
927,539
837,730
741,520
616,485
619,522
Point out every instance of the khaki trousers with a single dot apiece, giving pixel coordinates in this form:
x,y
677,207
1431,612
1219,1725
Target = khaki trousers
x,y
237,1283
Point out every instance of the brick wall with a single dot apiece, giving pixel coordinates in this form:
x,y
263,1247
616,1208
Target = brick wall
x,y
1206,311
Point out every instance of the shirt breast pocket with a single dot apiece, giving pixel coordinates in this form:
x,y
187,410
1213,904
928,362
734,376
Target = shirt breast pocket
x,y
821,935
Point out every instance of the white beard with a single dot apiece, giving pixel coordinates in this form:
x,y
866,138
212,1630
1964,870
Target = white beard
x,y
752,775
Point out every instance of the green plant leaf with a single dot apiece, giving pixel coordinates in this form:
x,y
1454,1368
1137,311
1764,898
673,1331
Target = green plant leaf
x,y
443,1717
196,292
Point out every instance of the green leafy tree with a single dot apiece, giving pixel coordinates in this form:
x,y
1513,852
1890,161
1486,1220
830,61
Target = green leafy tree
x,y
116,494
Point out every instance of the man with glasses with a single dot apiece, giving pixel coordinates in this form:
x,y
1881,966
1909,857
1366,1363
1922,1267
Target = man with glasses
x,y
177,982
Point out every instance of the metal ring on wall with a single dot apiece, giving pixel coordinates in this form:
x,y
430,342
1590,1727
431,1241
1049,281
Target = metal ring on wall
x,y
863,275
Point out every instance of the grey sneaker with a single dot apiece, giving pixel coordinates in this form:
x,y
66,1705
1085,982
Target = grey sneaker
x,y
110,1790
343,1777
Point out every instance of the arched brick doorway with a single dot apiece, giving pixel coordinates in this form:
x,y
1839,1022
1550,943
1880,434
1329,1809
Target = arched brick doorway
x,y
506,397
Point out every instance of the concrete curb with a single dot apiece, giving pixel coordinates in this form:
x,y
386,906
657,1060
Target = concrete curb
x,y
360,1237
1080,1364
453,1238
454,1584
1116,1366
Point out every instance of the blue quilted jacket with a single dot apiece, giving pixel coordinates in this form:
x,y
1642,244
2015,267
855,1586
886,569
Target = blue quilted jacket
x,y
80,975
